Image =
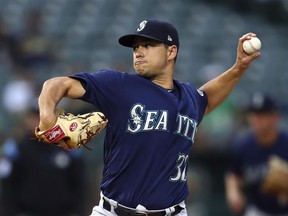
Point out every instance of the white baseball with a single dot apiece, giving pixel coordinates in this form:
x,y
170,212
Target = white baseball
x,y
251,46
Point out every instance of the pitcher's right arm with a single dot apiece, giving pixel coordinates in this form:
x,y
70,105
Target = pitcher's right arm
x,y
53,90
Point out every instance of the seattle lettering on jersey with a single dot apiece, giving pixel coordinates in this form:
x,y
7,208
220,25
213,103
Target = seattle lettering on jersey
x,y
156,120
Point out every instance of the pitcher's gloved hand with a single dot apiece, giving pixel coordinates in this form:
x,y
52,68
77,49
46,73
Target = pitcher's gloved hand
x,y
72,132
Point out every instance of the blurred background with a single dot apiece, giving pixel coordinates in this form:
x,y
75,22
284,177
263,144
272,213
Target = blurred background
x,y
40,39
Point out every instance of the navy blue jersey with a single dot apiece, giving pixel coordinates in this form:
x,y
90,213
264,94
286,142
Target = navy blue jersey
x,y
149,137
250,161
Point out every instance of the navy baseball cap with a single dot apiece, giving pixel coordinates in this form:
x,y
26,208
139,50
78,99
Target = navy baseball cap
x,y
262,103
153,29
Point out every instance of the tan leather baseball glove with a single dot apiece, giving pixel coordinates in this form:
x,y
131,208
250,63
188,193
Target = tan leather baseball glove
x,y
276,181
72,131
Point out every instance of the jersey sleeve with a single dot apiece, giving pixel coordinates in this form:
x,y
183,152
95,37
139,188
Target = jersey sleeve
x,y
203,101
198,102
101,87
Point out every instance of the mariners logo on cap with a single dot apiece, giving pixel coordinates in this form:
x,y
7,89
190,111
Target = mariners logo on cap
x,y
142,25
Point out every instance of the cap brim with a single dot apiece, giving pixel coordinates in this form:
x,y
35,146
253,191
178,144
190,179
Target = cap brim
x,y
127,40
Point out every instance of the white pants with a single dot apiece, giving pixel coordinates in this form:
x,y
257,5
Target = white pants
x,y
253,211
100,211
